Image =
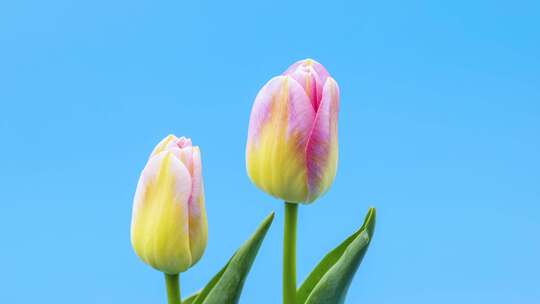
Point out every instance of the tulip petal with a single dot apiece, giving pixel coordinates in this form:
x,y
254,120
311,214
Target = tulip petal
x,y
307,77
160,224
312,76
198,225
280,124
164,144
183,142
322,148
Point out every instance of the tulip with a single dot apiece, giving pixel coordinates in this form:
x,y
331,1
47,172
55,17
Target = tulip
x,y
169,226
292,148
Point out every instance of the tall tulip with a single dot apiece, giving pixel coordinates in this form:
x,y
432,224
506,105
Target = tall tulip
x,y
292,148
169,227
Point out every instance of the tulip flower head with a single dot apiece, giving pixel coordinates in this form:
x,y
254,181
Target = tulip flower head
x,y
169,226
292,148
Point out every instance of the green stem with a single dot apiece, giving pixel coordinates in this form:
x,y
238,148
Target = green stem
x,y
173,288
289,254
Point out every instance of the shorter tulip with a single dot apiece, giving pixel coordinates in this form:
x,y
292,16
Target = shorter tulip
x,y
169,226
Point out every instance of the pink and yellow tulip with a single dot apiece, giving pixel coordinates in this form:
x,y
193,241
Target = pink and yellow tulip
x,y
292,148
169,226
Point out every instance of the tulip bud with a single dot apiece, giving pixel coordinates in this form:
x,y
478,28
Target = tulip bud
x,y
169,228
292,148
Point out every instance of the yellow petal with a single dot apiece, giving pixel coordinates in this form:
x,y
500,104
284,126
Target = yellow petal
x,y
160,224
280,124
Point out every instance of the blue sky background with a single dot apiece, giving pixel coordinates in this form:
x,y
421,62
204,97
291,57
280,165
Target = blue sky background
x,y
439,129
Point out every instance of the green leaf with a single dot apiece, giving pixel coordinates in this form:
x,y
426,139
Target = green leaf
x,y
329,281
226,286
191,299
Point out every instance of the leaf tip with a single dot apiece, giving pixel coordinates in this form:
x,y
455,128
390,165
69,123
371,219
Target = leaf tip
x,y
268,220
369,222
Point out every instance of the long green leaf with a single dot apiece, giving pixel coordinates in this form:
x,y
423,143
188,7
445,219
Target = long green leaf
x,y
329,281
226,286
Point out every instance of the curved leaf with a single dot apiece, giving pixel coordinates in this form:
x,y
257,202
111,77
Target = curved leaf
x,y
226,286
330,280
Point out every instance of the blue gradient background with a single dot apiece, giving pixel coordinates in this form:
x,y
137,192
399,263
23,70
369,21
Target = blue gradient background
x,y
439,129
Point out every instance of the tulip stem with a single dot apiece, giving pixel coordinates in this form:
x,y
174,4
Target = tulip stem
x,y
289,253
173,288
